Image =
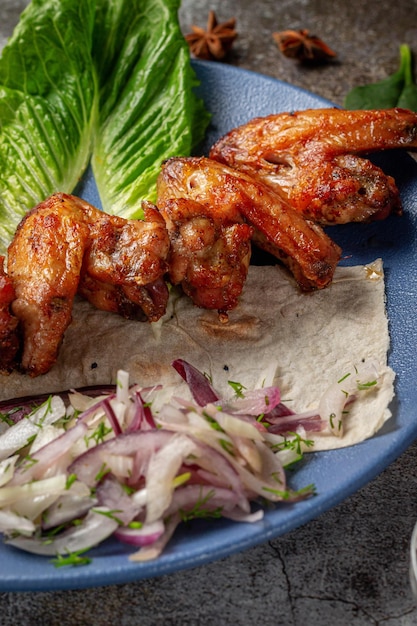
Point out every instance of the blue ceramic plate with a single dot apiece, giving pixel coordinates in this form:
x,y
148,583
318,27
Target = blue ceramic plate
x,y
234,96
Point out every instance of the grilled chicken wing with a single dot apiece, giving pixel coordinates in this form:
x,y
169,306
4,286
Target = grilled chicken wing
x,y
44,265
311,158
124,263
302,246
64,246
209,254
9,339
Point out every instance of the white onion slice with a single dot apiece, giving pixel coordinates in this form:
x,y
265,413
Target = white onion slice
x,y
96,526
18,435
333,402
163,467
12,522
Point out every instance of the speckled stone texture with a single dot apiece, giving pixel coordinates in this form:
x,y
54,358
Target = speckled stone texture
x,y
349,566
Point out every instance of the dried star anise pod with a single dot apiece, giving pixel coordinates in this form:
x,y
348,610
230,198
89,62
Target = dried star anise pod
x,y
214,42
299,44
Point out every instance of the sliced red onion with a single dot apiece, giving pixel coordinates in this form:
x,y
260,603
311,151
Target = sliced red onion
x,y
280,410
47,457
255,402
111,416
110,494
249,453
233,424
310,421
45,435
200,498
152,551
143,536
142,418
201,389
221,465
88,465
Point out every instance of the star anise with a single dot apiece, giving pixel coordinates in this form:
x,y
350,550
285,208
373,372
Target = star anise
x,y
299,44
214,42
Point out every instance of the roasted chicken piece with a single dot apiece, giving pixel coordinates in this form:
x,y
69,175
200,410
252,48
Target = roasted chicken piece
x,y
44,265
63,246
302,246
210,252
124,263
9,338
311,158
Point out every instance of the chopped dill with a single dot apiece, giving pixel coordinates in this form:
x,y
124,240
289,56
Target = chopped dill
x,y
238,388
199,510
71,478
365,386
102,472
73,558
110,514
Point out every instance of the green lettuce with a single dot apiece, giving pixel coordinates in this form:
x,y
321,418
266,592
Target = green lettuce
x,y
148,108
48,106
109,80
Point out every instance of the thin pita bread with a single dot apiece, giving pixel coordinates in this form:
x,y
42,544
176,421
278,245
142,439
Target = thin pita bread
x,y
302,342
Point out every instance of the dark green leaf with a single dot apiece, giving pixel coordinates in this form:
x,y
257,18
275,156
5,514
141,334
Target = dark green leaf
x,y
399,89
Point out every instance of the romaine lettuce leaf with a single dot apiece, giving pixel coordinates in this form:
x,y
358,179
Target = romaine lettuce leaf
x,y
148,108
107,78
48,106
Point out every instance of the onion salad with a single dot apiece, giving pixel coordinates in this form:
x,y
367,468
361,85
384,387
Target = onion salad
x,y
123,461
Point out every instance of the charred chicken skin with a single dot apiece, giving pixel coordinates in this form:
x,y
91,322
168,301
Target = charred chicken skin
x,y
210,252
232,195
64,246
124,263
312,159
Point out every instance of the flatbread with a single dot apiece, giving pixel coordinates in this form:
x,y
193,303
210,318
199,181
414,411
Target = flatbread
x,y
301,342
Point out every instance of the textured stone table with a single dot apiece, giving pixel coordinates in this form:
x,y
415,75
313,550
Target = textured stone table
x,y
349,566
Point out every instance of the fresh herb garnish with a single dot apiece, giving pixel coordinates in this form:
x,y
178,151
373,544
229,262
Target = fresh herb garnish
x,y
397,90
288,494
293,441
200,510
71,478
238,388
99,433
365,386
74,558
102,472
110,514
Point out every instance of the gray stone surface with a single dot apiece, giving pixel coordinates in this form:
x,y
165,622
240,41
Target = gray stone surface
x,y
349,566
